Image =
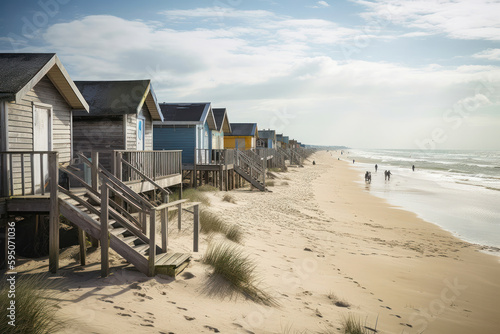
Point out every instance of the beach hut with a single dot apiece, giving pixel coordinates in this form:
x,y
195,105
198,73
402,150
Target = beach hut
x,y
223,126
37,97
187,127
121,118
243,136
267,139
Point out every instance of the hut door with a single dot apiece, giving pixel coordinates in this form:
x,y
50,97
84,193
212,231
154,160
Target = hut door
x,y
42,141
141,122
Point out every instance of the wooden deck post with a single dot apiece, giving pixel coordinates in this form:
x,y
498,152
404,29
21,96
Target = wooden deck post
x,y
95,184
83,246
152,242
221,175
104,230
54,212
179,215
164,230
196,226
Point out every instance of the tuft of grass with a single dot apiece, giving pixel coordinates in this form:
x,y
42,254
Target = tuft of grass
x,y
229,198
211,223
237,270
35,306
269,183
194,195
284,183
274,169
353,325
337,301
207,187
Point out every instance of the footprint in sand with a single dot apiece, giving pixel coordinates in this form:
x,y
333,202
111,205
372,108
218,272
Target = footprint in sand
x,y
189,318
120,308
124,314
182,308
213,329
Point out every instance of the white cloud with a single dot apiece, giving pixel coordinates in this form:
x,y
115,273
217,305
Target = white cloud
x,y
490,54
263,67
462,19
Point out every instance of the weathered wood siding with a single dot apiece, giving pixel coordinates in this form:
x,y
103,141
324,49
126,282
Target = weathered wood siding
x,y
132,130
20,120
102,134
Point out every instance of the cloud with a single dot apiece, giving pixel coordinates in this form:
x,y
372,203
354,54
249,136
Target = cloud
x,y
490,54
321,4
263,68
464,19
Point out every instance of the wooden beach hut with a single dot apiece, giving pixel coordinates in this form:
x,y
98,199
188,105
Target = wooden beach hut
x,y
243,136
121,118
37,97
222,126
187,127
267,139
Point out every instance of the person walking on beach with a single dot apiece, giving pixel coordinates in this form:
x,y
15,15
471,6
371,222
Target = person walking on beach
x,y
413,168
388,175
353,160
376,167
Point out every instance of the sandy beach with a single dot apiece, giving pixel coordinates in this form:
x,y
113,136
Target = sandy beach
x,y
318,234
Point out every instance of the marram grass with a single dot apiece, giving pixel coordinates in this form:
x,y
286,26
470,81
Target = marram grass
x,y
353,325
211,223
237,270
35,306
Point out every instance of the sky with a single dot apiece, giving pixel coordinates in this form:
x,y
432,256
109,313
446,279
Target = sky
x,y
414,74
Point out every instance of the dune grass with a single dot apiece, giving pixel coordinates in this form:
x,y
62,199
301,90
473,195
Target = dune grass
x,y
35,306
236,270
207,187
195,195
229,198
284,183
337,301
353,325
269,183
211,223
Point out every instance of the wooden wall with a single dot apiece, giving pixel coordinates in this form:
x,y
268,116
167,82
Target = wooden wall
x,y
132,130
20,120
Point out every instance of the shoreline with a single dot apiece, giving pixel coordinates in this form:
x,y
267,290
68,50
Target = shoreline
x,y
318,235
471,219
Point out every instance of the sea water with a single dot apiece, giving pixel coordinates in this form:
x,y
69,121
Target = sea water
x,y
456,190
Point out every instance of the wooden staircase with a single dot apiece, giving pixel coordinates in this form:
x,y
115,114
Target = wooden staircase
x,y
118,217
251,170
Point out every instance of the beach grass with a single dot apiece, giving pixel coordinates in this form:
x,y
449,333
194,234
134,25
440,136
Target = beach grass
x,y
229,198
207,187
211,223
269,183
231,266
337,301
284,183
195,195
35,306
353,325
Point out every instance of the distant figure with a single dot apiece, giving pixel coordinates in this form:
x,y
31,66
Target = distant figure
x,y
338,158
413,168
387,175
376,167
314,162
353,160
368,177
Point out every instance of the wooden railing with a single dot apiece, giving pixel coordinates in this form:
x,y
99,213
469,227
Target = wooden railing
x,y
253,167
152,164
118,201
24,173
214,157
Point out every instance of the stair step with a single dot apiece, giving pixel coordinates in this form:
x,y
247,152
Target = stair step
x,y
141,248
117,231
129,240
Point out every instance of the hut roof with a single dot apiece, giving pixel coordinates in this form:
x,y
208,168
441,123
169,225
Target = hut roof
x,y
110,98
244,129
221,120
267,134
187,114
20,72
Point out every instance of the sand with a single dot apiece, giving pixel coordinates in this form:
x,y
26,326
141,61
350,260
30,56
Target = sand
x,y
319,235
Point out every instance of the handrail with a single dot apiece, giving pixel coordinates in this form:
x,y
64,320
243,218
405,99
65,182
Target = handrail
x,y
146,178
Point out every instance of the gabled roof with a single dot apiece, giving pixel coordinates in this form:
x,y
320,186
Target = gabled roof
x,y
243,129
187,114
267,134
111,98
221,120
20,72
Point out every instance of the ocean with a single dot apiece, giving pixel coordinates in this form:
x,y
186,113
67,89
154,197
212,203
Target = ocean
x,y
456,190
